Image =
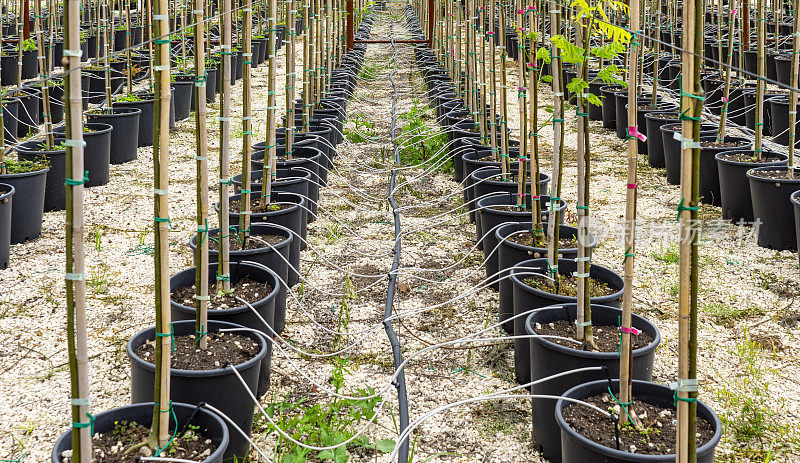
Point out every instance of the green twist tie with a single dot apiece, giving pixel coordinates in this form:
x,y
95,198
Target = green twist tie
x,y
163,220
628,254
89,424
692,95
552,269
558,120
676,398
203,231
624,406
684,117
682,208
174,433
200,333
171,335
584,208
161,41
225,277
72,182
245,191
582,114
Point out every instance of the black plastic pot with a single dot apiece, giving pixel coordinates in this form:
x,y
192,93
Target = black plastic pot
x,y
641,122
291,218
655,143
609,109
6,197
578,449
489,216
510,254
145,129
26,215
672,149
735,187
548,358
275,257
96,153
55,193
10,118
219,388
526,298
709,173
307,158
183,92
210,426
772,208
240,315
28,112
795,198
125,136
487,181
779,108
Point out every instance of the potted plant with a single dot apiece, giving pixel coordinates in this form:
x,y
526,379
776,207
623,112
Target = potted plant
x,y
6,197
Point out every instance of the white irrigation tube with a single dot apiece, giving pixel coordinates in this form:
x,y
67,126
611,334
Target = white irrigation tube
x,y
173,460
236,426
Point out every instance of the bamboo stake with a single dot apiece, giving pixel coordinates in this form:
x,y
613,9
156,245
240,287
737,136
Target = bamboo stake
x,y
686,393
523,106
505,167
201,147
558,150
291,13
482,83
760,84
306,68
159,431
128,44
270,155
106,62
534,75
629,239
794,96
583,310
77,337
247,125
43,71
223,269
726,94
493,85
149,20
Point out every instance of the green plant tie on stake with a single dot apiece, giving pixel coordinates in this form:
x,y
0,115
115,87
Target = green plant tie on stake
x,y
624,406
72,182
628,254
202,331
171,411
203,231
682,208
89,424
171,335
164,220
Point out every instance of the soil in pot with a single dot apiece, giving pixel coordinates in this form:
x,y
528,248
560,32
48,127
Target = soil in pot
x,y
245,288
655,437
568,285
111,447
207,426
55,193
709,172
223,347
606,337
582,438
125,136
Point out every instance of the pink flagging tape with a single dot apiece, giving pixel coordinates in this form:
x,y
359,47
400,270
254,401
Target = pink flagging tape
x,y
630,330
634,132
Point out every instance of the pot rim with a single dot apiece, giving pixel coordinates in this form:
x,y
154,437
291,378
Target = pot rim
x,y
9,193
636,320
196,373
285,243
719,158
234,310
795,198
790,181
524,267
118,111
216,455
503,240
614,453
25,174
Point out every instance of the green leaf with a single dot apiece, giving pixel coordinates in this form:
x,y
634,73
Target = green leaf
x,y
326,455
385,445
543,54
593,99
569,52
577,85
547,78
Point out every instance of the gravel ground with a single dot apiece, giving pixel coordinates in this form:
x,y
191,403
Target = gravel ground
x,y
748,297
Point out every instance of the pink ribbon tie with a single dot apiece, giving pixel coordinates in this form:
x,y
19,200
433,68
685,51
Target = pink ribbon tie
x,y
630,330
634,132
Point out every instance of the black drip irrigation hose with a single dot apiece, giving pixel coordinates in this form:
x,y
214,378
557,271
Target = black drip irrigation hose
x,y
400,382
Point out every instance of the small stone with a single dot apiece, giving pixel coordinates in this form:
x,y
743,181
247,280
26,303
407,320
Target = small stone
x,y
538,326
552,325
145,451
632,448
643,416
665,413
615,409
216,363
206,453
650,445
658,423
208,441
66,454
606,399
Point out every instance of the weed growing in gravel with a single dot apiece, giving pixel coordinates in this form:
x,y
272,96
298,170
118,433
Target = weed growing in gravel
x,y
325,425
358,129
749,413
420,142
727,314
669,255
